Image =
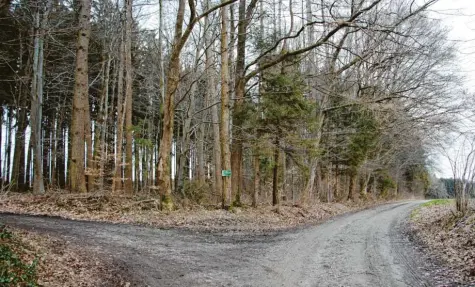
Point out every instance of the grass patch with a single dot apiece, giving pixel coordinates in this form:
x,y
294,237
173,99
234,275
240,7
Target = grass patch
x,y
415,213
437,202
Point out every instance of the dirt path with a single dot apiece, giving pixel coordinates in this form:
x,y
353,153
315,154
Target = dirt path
x,y
367,248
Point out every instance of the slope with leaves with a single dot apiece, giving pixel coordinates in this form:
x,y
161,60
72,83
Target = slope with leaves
x,y
449,237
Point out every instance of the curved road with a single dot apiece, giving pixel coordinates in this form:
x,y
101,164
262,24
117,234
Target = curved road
x,y
367,248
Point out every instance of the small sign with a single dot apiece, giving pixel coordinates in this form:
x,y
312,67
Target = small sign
x,y
226,173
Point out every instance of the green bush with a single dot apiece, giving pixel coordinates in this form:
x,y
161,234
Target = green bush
x,y
13,271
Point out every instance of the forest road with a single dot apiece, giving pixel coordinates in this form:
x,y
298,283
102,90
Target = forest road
x,y
367,248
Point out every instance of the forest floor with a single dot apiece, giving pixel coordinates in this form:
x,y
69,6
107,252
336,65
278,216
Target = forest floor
x,y
53,262
146,211
366,248
448,237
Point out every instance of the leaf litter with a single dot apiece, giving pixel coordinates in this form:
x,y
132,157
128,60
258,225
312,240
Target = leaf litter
x,y
450,238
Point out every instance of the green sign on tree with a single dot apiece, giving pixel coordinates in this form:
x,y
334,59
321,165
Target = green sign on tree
x,y
226,173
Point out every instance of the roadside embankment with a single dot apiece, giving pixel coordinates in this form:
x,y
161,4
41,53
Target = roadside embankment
x,y
449,237
146,211
32,259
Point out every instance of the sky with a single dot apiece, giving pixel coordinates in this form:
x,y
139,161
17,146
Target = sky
x,y
459,17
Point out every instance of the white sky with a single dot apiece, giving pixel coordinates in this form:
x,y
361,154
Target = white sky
x,y
459,16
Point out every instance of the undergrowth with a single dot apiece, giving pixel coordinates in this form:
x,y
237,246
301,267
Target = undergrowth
x,y
13,270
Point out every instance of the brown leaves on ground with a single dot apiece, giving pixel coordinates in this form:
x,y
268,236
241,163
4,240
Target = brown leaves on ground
x,y
63,265
450,237
146,210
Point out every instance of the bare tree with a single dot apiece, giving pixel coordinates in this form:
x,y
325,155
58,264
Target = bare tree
x,y
179,40
462,163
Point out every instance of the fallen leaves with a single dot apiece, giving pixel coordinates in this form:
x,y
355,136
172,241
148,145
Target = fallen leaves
x,y
62,264
449,237
145,210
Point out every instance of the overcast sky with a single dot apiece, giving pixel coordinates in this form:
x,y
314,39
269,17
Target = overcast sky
x,y
459,17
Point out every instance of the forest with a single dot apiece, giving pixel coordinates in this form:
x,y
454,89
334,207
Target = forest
x,y
226,102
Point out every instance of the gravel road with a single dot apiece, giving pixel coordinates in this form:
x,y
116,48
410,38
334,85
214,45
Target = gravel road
x,y
367,248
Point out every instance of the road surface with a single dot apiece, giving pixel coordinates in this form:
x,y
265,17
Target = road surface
x,y
367,248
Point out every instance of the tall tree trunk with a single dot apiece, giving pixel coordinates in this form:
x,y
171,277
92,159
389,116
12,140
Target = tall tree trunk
x,y
186,139
180,38
89,152
34,118
60,160
224,123
77,180
100,144
117,179
181,153
160,52
137,183
37,98
284,173
237,148
352,185
46,149
257,179
211,92
200,144
8,148
364,187
275,180
128,183
240,87
54,150
163,168
18,171
311,68
29,164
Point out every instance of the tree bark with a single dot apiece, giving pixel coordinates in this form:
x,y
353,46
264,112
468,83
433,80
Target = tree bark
x,y
77,180
352,185
257,180
179,40
224,123
211,90
275,173
163,168
117,180
128,183
37,98
240,89
89,153
18,171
